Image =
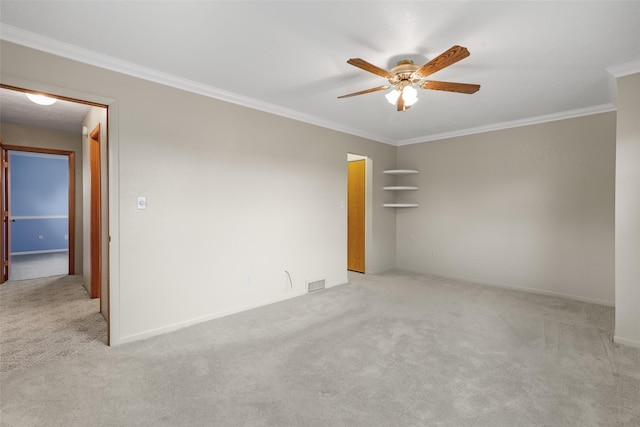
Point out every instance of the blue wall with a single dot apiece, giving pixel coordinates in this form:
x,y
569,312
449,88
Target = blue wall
x,y
25,235
39,188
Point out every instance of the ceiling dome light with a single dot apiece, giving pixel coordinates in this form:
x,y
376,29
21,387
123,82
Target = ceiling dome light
x,y
41,99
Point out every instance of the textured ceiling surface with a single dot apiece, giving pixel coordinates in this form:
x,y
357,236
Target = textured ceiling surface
x,y
16,108
534,60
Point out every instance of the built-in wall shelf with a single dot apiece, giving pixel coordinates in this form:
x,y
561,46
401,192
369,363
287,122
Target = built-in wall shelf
x,y
400,205
401,188
400,171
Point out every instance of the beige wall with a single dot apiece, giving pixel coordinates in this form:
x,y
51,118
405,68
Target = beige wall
x,y
26,136
530,207
628,212
235,196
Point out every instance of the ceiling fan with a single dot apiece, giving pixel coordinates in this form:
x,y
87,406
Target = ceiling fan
x,y
405,76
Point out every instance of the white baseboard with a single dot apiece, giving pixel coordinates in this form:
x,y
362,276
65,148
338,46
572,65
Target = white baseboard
x,y
557,294
523,289
626,341
179,325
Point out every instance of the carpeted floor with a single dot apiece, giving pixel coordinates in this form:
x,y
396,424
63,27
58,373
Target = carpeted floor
x,y
47,319
34,266
387,350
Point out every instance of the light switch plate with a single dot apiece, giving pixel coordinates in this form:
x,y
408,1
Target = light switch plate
x,y
142,202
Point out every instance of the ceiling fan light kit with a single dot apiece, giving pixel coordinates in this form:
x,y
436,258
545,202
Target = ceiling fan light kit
x,y
406,76
409,95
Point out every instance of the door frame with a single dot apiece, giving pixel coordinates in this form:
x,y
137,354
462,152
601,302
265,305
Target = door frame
x,y
5,238
112,147
6,194
95,171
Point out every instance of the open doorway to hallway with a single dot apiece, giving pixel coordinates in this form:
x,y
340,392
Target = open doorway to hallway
x,y
65,125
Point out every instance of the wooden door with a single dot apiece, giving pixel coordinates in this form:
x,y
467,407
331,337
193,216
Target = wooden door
x,y
96,214
355,215
6,226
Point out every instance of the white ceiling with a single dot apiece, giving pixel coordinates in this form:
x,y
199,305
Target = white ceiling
x,y
535,61
16,108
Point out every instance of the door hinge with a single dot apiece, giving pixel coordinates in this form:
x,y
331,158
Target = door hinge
x,y
5,164
5,214
5,263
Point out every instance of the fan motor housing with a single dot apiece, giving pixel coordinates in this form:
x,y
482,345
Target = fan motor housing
x,y
404,71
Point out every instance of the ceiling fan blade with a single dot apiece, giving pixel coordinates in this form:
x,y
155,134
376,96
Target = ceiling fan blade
x,y
362,64
451,87
451,56
362,92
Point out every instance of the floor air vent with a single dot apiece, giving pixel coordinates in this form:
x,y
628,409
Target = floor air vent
x,y
316,285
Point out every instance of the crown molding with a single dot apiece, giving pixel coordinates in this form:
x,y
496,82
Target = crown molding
x,y
86,56
622,70
597,109
618,71
69,51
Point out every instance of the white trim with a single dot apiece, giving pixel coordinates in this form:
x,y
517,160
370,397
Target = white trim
x,y
622,70
20,153
369,248
49,251
597,109
113,245
626,341
56,90
355,157
66,50
39,217
196,320
523,289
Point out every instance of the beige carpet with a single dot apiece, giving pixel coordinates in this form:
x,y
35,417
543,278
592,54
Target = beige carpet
x,y
34,266
387,350
46,319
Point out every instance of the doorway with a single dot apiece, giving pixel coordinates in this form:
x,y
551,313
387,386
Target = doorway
x,y
22,122
356,212
38,198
